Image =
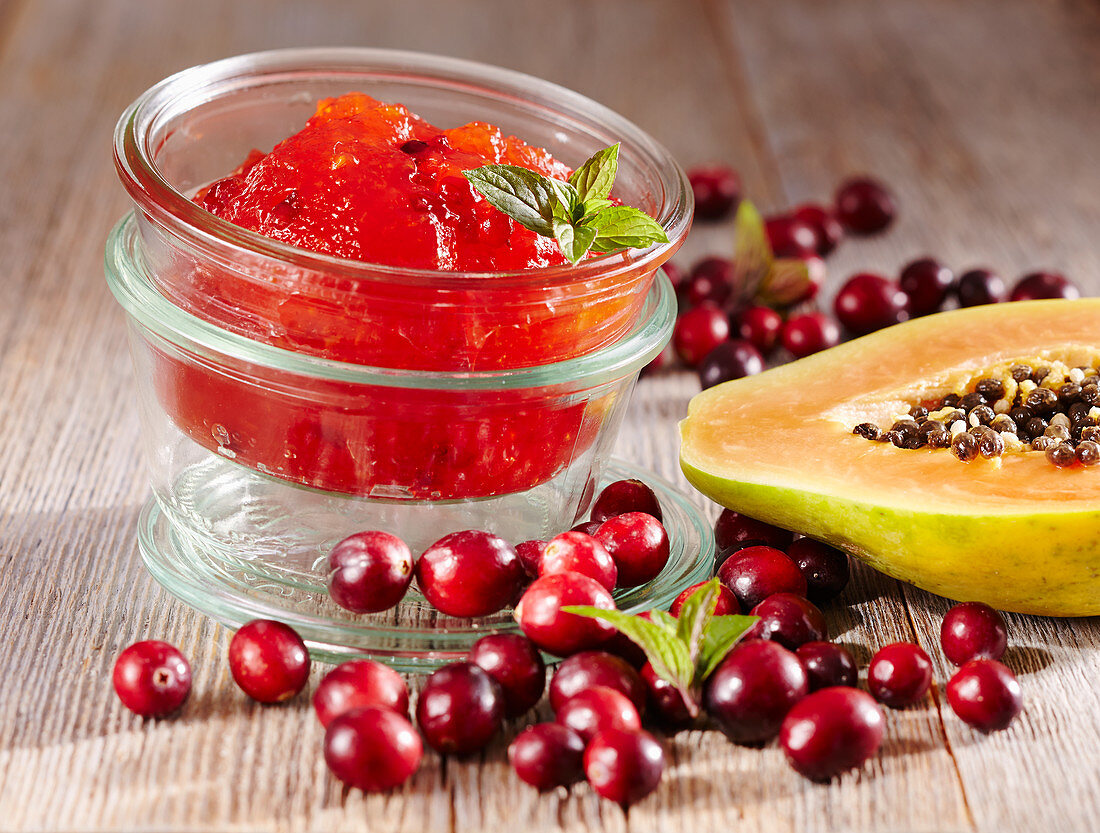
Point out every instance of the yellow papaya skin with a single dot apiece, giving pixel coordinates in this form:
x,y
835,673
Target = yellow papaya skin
x,y
1016,533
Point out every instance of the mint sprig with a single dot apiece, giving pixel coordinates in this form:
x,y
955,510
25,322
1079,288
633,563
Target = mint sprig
x,y
576,213
684,651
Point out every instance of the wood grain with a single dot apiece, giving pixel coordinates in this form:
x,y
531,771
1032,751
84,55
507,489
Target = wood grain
x,y
983,118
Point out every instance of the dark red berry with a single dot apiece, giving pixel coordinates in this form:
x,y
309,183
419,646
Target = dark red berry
x,y
759,326
1043,285
753,689
357,684
369,572
926,283
869,302
624,496
755,573
827,664
372,748
664,700
727,602
268,660
151,678
864,206
542,619
578,552
638,544
587,527
789,620
979,286
832,731
973,630
790,237
460,708
985,695
624,766
547,755
595,709
530,552
729,360
899,675
514,662
470,573
733,527
716,189
698,331
711,281
826,568
828,231
589,669
722,556
803,335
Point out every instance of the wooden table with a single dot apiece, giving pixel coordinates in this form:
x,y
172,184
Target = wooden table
x,y
984,118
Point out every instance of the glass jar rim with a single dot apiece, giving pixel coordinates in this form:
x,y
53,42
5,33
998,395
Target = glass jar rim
x,y
159,200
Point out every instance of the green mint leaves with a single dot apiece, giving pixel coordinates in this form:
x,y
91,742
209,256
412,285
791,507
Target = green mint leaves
x,y
577,214
684,651
759,276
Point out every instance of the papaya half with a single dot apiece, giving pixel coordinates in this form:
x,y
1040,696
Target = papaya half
x,y
1015,531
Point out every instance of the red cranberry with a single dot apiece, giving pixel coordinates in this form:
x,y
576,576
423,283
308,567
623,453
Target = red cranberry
x,y
716,189
985,695
973,630
151,678
624,496
729,360
624,766
587,527
733,527
803,335
828,231
372,748
529,553
869,302
579,553
753,689
369,572
591,711
589,669
899,675
664,700
357,684
698,331
789,236
827,664
542,619
926,283
470,573
832,731
514,662
722,556
758,572
789,620
711,280
268,660
979,286
460,708
1043,285
826,568
864,206
815,272
547,755
727,602
638,544
759,326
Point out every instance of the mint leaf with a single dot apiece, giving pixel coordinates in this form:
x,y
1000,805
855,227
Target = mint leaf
x,y
786,283
695,615
623,227
722,633
664,619
525,196
594,178
569,201
752,253
574,241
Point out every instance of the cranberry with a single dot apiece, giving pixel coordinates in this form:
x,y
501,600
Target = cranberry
x,y
591,711
460,708
470,573
587,527
516,664
979,286
899,675
716,189
638,544
357,684
624,766
733,527
698,331
828,231
832,731
789,236
1043,285
985,695
751,692
926,283
712,279
372,748
589,669
869,302
789,620
151,678
542,619
369,572
268,660
813,332
664,700
864,206
578,552
973,630
547,755
530,552
815,273
826,568
727,602
730,360
624,496
722,556
827,664
758,572
760,327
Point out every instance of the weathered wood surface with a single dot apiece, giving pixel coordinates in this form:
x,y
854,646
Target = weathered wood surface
x,y
984,118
